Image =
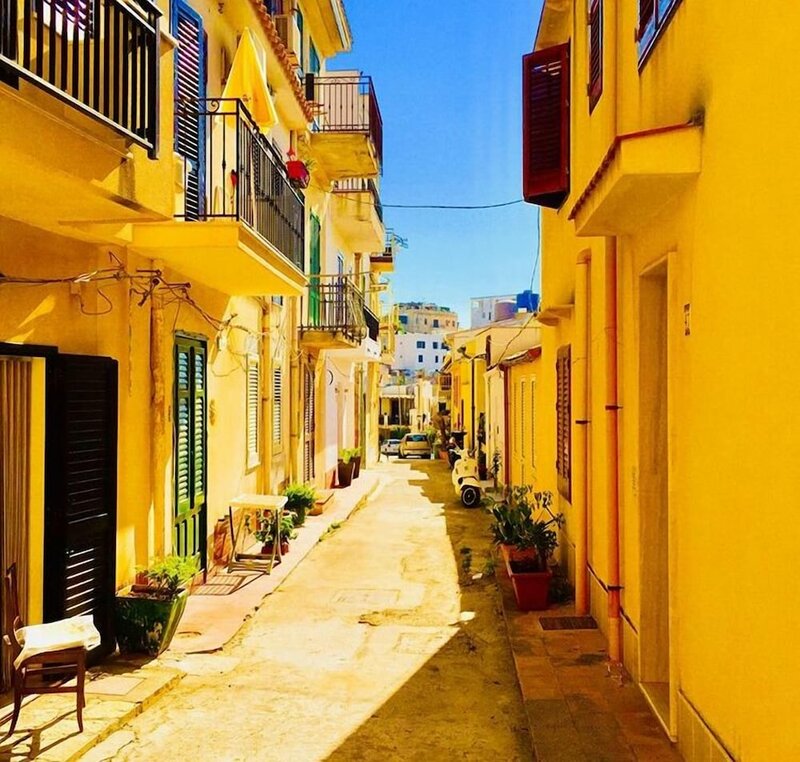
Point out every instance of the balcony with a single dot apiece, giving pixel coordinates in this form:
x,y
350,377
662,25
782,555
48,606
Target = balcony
x,y
347,137
78,92
97,56
240,223
358,212
333,314
387,339
383,262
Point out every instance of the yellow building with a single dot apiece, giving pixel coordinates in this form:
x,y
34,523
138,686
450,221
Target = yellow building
x,y
155,261
660,144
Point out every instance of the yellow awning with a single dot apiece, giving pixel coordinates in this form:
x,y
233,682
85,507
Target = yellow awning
x,y
247,81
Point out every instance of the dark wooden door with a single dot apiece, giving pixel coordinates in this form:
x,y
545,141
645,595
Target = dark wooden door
x,y
190,93
190,456
81,492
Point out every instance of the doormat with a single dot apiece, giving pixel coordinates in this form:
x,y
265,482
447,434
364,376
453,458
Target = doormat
x,y
567,623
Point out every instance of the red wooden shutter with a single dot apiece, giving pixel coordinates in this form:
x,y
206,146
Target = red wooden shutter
x,y
647,10
545,126
595,52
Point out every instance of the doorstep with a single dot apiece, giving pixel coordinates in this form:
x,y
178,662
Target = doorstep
x,y
213,618
577,711
115,693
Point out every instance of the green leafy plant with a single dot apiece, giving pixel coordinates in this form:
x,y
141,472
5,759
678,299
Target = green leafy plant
x,y
167,576
430,434
526,521
347,454
300,499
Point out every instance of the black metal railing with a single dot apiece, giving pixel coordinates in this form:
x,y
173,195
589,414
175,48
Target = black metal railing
x,y
373,323
99,56
355,185
334,303
240,175
346,104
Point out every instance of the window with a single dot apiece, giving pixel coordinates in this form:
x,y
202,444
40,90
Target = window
x,y
253,405
403,319
301,53
313,58
436,322
654,15
419,358
436,345
595,88
563,421
420,345
436,359
277,408
545,126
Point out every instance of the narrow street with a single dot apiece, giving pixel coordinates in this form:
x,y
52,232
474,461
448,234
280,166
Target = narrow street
x,y
370,651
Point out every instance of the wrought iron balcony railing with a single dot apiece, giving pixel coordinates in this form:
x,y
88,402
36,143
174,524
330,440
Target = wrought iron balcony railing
x,y
346,104
98,56
334,304
238,174
361,185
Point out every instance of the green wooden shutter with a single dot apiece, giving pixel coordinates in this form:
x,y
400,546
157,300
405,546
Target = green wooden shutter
x,y
183,428
199,433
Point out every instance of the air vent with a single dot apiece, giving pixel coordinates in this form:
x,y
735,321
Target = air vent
x,y
568,623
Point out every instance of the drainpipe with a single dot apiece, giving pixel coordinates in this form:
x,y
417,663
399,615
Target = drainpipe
x,y
614,21
506,423
612,478
158,436
580,371
472,395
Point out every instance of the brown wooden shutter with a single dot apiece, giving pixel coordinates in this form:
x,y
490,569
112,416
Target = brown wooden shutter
x,y
595,52
563,419
253,404
277,408
647,10
545,126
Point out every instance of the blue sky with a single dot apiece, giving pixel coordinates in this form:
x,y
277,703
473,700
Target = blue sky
x,y
447,75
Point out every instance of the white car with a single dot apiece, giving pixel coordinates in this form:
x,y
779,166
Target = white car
x,y
391,447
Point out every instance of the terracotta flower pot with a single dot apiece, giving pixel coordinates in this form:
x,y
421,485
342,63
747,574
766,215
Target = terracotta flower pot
x,y
531,589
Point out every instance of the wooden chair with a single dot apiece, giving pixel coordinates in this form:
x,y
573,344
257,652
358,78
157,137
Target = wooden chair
x,y
40,665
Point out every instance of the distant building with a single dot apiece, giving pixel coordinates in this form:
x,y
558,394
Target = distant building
x,y
415,352
421,317
489,309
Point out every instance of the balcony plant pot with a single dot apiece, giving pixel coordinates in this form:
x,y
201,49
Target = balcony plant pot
x,y
298,173
531,588
146,621
356,466
344,473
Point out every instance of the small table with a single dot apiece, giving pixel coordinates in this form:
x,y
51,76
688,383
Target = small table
x,y
260,562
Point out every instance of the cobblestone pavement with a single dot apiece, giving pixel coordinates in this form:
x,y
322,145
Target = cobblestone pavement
x,y
371,650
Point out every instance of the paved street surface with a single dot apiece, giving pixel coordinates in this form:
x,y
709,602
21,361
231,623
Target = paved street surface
x,y
371,650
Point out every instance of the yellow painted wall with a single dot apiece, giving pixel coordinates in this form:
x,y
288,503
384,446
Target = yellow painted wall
x,y
729,382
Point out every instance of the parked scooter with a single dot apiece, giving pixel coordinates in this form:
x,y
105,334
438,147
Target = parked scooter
x,y
465,478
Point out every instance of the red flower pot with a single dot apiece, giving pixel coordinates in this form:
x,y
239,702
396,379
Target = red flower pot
x,y
299,175
531,589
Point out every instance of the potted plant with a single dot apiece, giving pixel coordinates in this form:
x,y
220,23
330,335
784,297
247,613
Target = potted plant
x,y
344,470
497,462
264,530
147,615
525,530
483,470
356,451
300,499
